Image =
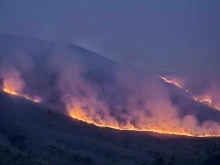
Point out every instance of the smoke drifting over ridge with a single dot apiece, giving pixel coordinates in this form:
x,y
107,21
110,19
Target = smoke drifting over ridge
x,y
99,91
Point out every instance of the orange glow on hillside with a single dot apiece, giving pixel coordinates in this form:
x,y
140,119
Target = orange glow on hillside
x,y
207,100
171,81
12,92
79,114
14,84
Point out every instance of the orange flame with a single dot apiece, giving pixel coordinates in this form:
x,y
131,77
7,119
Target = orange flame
x,y
13,84
204,99
78,114
171,81
12,92
174,126
207,101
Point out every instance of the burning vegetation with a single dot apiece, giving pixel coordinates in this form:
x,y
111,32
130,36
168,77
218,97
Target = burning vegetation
x,y
185,127
173,81
147,108
122,99
12,92
14,85
207,98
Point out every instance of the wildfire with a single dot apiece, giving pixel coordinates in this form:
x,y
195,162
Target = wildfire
x,y
171,81
207,101
80,115
14,84
204,99
187,126
12,92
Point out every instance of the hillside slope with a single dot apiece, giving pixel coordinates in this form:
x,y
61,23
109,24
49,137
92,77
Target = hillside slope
x,y
38,134
100,72
57,139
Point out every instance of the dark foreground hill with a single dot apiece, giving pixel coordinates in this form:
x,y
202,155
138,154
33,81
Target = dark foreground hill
x,y
32,134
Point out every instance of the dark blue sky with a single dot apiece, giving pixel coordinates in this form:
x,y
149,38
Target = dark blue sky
x,y
152,34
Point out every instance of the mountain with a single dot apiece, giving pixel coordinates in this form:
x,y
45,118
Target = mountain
x,y
34,133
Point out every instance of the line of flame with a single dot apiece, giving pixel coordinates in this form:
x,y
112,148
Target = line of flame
x,y
84,118
206,100
78,114
12,92
132,128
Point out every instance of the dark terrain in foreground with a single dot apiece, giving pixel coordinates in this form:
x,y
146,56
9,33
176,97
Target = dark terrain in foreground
x,y
32,134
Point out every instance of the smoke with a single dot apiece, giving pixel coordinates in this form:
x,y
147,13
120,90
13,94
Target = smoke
x,y
12,80
206,92
132,101
12,71
101,93
210,96
24,62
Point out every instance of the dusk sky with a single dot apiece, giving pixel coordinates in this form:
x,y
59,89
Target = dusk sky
x,y
155,35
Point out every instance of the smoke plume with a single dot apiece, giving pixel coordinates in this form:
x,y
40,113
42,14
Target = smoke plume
x,y
102,93
12,80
